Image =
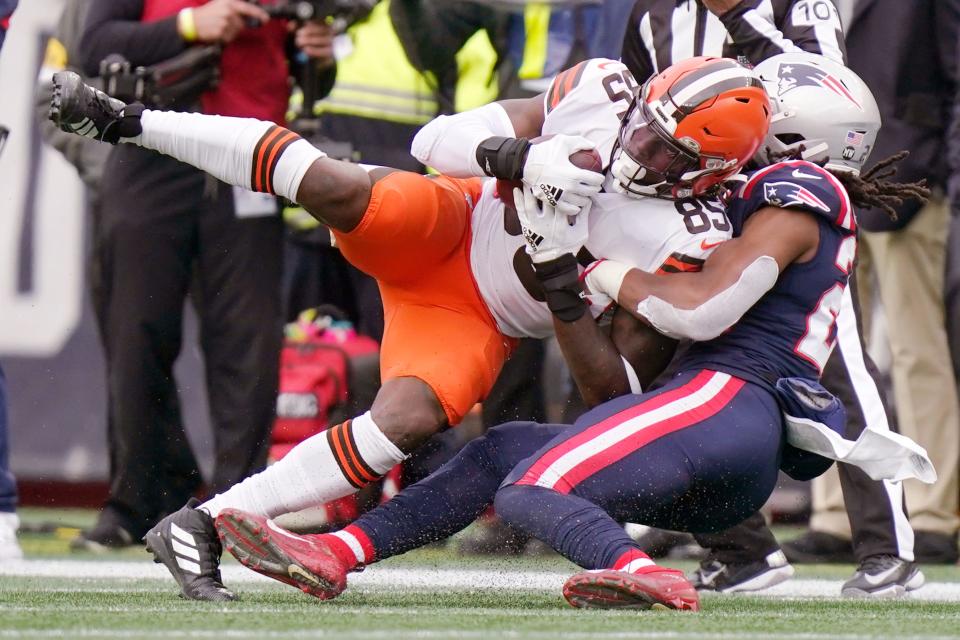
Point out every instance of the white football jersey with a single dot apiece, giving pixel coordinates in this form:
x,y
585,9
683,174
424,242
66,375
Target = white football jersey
x,y
655,235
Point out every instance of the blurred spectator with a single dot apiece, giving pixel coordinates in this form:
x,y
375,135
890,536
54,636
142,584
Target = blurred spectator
x,y
953,250
909,74
545,40
9,523
607,40
87,156
166,230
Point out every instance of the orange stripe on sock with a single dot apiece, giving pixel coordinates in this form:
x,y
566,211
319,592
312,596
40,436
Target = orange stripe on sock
x,y
338,451
358,463
258,163
288,137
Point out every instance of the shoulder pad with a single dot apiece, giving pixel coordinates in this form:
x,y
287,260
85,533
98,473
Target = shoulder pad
x,y
802,185
589,100
582,74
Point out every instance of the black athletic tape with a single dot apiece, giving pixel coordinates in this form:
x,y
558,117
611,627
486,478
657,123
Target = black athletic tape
x,y
503,158
560,279
126,126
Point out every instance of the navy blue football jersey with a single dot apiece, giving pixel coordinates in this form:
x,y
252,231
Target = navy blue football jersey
x,y
791,330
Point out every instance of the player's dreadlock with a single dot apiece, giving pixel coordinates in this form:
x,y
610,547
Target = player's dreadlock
x,y
871,188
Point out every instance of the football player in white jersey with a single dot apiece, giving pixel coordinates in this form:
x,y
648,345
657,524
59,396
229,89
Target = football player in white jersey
x,y
450,271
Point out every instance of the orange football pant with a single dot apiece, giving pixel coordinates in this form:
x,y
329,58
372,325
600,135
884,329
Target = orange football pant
x,y
414,238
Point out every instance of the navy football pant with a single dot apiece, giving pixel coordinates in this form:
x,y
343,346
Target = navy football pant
x,y
699,454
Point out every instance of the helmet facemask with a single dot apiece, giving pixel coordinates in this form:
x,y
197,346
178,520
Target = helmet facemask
x,y
676,140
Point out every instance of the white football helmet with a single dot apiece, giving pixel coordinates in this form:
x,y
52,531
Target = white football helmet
x,y
820,105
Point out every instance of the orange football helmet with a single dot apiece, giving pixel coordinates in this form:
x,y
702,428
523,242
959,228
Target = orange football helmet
x,y
690,128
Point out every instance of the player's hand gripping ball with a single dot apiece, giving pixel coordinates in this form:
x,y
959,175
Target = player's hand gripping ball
x,y
574,174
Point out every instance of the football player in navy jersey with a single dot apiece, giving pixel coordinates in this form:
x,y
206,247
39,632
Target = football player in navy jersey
x,y
699,454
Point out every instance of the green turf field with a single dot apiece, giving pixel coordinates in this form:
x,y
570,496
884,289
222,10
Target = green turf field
x,y
428,594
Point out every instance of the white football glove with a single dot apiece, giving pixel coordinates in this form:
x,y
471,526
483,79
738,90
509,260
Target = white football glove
x,y
603,280
557,181
548,233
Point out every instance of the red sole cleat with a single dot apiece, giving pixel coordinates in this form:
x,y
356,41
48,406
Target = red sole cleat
x,y
298,561
620,590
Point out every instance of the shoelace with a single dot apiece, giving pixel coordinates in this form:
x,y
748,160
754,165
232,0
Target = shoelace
x,y
211,549
874,564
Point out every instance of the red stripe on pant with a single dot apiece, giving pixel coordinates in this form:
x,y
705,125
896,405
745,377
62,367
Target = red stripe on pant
x,y
644,435
541,465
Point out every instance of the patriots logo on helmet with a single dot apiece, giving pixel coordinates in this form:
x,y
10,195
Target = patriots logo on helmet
x,y
786,194
793,75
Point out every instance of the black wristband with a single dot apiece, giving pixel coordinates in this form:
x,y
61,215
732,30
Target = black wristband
x,y
562,288
503,157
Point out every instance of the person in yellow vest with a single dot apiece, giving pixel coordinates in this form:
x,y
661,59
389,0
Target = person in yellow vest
x,y
386,89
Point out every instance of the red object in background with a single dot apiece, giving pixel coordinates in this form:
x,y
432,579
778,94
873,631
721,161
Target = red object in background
x,y
253,69
314,375
313,381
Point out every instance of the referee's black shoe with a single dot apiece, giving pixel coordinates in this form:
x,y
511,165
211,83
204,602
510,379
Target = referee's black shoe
x,y
186,542
883,576
79,108
734,577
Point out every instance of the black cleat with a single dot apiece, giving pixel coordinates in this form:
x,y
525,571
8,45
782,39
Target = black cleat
x,y
187,543
79,108
713,575
883,576
103,538
116,528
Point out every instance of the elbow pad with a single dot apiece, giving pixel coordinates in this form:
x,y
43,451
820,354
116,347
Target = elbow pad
x,y
449,143
717,314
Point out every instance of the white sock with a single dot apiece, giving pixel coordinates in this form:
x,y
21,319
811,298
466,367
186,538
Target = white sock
x,y
244,152
324,467
9,548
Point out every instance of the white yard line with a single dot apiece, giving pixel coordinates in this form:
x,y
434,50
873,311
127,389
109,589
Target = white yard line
x,y
411,579
430,634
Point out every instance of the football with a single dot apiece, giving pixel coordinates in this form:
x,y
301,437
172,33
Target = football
x,y
590,160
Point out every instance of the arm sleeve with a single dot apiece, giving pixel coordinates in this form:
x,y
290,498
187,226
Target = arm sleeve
x,y
807,25
717,314
114,26
449,143
635,54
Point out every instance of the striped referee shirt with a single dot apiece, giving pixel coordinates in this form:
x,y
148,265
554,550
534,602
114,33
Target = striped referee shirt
x,y
661,32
